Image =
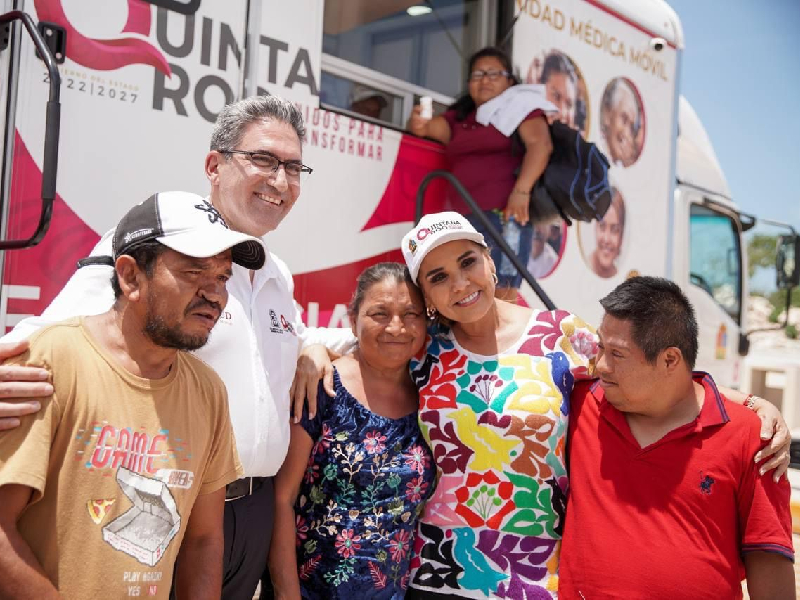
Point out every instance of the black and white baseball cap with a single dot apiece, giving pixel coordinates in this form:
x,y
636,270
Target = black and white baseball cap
x,y
186,223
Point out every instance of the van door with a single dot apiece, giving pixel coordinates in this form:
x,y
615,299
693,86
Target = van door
x,y
716,289
12,39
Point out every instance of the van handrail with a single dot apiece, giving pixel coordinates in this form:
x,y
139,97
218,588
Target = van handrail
x,y
52,131
496,235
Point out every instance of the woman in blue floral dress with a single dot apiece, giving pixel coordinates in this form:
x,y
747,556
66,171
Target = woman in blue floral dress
x,y
357,474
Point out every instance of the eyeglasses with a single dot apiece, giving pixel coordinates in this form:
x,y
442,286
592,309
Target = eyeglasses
x,y
265,160
492,75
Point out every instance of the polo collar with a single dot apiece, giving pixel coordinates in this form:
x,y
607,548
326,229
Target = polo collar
x,y
712,413
270,269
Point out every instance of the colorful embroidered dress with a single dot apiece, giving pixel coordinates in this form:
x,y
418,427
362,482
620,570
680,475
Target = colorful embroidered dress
x,y
496,426
366,481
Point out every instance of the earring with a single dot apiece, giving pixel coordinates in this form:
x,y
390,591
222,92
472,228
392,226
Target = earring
x,y
494,278
431,312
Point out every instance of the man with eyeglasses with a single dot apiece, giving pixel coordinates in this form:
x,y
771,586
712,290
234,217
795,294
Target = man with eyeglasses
x,y
255,169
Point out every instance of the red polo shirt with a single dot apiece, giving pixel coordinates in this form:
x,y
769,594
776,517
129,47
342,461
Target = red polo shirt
x,y
670,520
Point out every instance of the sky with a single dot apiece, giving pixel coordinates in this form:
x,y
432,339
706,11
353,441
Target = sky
x,y
741,73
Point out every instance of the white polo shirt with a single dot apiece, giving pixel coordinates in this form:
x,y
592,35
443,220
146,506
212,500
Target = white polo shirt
x,y
253,347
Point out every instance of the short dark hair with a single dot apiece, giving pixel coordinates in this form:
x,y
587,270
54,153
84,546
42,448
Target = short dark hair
x,y
376,274
145,255
465,104
660,314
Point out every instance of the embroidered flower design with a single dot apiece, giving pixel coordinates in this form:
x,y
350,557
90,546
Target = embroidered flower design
x,y
347,543
301,527
400,545
374,442
324,442
417,458
584,343
485,500
415,489
545,333
312,473
483,386
441,391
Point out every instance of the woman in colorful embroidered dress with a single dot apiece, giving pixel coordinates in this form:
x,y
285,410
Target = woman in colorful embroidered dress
x,y
357,474
494,381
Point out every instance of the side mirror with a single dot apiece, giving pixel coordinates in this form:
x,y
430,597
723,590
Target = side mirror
x,y
786,267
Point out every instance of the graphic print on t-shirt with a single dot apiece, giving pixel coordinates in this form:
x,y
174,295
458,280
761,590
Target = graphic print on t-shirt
x,y
147,517
98,509
147,528
104,446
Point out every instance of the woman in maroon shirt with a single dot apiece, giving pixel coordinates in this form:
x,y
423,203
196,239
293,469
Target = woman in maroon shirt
x,y
481,158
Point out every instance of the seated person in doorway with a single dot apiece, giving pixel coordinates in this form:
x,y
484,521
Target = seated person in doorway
x,y
368,102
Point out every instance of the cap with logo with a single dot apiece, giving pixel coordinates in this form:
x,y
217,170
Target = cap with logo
x,y
186,223
432,231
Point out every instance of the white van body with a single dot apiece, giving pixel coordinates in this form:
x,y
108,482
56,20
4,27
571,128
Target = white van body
x,y
142,86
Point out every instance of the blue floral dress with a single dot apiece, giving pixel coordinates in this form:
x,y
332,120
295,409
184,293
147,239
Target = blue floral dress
x,y
366,481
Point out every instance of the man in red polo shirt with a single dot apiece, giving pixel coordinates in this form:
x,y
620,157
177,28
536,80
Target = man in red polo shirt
x,y
665,497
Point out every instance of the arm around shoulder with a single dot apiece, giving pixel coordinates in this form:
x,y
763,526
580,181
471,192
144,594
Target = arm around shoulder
x,y
88,292
21,386
774,455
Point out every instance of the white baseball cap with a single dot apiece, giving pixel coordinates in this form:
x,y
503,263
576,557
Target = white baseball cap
x,y
434,230
361,92
186,223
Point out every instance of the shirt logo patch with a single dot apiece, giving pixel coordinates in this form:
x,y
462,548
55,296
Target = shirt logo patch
x,y
705,485
286,325
275,325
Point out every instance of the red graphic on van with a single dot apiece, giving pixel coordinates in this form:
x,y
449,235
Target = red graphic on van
x,y
108,54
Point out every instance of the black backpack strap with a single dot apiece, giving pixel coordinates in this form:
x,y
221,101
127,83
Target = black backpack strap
x,y
96,260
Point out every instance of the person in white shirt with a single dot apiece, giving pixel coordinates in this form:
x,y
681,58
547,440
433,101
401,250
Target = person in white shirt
x,y
254,168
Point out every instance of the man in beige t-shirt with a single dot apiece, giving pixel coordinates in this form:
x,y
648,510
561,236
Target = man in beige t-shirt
x,y
124,469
